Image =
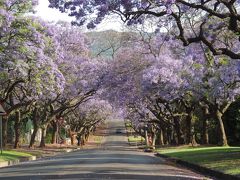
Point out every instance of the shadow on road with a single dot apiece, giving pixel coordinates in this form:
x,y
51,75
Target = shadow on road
x,y
98,176
114,159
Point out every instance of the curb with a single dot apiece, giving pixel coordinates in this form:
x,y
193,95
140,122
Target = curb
x,y
200,169
31,158
17,161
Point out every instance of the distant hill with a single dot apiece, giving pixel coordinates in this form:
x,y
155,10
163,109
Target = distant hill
x,y
106,43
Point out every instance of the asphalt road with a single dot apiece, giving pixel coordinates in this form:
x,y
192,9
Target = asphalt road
x,y
114,159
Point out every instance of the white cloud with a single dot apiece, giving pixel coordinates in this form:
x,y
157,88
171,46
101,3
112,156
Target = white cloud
x,y
54,15
50,14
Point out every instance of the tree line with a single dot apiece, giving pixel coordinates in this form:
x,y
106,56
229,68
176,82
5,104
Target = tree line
x,y
47,77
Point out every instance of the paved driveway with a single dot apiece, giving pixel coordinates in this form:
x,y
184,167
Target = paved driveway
x,y
115,159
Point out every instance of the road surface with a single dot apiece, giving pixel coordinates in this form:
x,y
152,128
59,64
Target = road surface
x,y
114,159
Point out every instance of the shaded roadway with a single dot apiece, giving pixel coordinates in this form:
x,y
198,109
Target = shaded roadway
x,y
114,159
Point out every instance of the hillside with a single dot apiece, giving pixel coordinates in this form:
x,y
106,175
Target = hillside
x,y
106,43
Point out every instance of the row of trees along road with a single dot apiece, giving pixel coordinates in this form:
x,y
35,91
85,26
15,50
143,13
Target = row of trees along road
x,y
183,94
199,82
45,75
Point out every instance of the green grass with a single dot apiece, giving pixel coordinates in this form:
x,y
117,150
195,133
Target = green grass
x,y
12,155
127,124
135,139
98,139
224,159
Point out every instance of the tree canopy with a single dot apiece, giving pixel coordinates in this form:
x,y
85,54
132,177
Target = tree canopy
x,y
206,22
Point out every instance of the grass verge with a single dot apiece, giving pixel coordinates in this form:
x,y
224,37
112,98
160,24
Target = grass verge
x,y
224,159
135,139
12,155
98,139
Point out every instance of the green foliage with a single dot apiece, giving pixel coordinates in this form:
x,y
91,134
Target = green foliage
x,y
22,7
128,124
48,138
197,66
224,61
62,133
232,123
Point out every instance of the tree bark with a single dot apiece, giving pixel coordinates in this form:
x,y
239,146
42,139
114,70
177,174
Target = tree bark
x,y
194,142
154,137
205,137
44,132
87,136
161,137
189,127
35,128
79,138
72,139
4,128
54,133
223,137
17,129
167,136
71,134
146,138
180,139
83,138
193,137
33,136
206,117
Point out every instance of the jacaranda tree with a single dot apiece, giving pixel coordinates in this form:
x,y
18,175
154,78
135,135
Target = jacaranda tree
x,y
196,21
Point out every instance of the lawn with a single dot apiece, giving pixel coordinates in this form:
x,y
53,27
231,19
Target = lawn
x,y
12,155
135,139
98,139
224,159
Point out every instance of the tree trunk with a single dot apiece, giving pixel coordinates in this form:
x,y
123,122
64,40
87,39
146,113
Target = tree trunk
x,y
223,137
193,137
180,139
79,140
83,140
205,137
54,133
189,127
146,138
33,136
154,137
87,136
17,129
4,128
35,128
44,132
161,137
72,139
193,141
71,134
167,136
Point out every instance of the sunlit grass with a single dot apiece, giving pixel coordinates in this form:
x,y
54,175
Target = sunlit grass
x,y
12,155
225,159
135,139
98,139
